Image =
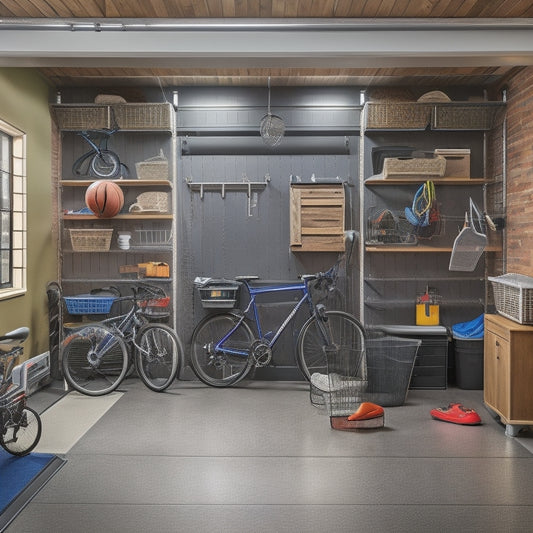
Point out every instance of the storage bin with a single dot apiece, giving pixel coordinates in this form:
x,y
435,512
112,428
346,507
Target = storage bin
x,y
397,115
430,370
513,297
143,116
396,167
468,363
457,162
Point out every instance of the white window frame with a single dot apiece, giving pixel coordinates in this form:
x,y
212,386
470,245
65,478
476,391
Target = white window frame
x,y
18,212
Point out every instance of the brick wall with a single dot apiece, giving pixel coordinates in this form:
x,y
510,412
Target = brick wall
x,y
519,242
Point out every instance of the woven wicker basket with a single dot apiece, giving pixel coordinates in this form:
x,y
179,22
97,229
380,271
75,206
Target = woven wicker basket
x,y
417,166
397,115
151,201
466,116
143,116
79,117
154,168
90,240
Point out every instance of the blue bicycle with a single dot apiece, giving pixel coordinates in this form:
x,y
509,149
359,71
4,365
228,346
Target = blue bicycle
x,y
226,346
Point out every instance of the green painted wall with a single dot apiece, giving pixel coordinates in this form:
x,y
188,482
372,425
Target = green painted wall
x,y
24,104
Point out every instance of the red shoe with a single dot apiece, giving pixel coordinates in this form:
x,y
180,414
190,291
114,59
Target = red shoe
x,y
456,414
366,411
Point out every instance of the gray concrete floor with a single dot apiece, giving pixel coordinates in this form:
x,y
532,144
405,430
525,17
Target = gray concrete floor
x,y
260,458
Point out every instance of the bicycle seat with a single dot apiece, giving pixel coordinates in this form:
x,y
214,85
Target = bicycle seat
x,y
17,336
246,278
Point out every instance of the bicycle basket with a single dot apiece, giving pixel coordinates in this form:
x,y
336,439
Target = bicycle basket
x,y
221,293
155,307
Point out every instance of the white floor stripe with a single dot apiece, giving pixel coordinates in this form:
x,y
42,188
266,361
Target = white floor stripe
x,y
70,418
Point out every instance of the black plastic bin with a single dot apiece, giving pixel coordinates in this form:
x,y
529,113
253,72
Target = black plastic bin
x,y
468,363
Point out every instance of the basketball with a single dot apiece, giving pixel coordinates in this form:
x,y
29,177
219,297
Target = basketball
x,y
104,198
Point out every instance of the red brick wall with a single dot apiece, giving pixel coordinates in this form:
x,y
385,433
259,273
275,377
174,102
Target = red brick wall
x,y
519,181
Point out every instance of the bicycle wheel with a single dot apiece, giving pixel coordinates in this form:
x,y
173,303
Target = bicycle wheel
x,y
106,164
345,333
213,367
158,356
94,360
22,431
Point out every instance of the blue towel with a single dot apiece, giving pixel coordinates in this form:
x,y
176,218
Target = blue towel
x,y
474,329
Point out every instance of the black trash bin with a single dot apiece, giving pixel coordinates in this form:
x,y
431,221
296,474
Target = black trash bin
x,y
468,363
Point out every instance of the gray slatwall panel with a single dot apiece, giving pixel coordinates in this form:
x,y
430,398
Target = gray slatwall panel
x,y
222,241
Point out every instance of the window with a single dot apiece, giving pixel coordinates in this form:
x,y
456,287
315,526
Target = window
x,y
12,211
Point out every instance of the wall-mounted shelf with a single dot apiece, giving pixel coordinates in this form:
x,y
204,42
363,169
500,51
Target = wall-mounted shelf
x,y
420,249
152,216
121,183
420,179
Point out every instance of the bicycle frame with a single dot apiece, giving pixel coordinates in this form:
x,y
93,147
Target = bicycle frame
x,y
123,325
96,147
252,306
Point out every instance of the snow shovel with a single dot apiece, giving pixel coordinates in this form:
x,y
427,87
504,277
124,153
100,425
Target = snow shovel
x,y
470,243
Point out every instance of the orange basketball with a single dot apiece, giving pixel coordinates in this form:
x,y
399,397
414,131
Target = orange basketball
x,y
104,198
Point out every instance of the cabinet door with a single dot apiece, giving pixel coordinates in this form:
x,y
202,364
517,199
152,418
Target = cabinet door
x,y
317,219
496,377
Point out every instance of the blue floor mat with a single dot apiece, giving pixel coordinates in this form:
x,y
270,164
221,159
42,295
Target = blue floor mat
x,y
21,478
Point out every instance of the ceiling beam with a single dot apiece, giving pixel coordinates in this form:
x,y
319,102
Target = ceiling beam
x,y
350,44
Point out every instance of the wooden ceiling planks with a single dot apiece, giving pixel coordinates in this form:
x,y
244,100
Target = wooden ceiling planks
x,y
266,8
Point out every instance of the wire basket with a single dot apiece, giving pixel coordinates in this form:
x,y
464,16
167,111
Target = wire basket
x,y
386,227
90,240
87,304
148,238
143,116
513,297
397,115
380,373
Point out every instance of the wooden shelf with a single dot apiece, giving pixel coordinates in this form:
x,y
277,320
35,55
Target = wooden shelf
x,y
419,249
122,183
153,216
421,179
115,280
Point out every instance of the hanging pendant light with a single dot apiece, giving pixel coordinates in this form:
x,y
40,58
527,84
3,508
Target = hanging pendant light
x,y
272,127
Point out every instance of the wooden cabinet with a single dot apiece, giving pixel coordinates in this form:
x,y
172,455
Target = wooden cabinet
x,y
508,371
317,218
